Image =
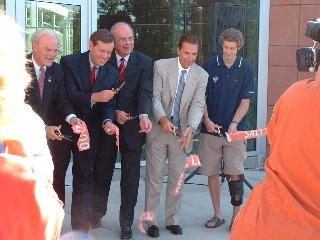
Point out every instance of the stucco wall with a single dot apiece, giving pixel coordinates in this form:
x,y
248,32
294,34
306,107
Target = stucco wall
x,y
288,22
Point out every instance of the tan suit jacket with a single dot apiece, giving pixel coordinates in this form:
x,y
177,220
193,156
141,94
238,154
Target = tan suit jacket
x,y
165,85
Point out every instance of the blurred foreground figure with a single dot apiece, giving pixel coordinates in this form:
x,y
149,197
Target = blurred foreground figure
x,y
29,207
286,204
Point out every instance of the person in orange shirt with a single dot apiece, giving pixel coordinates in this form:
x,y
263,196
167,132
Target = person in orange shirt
x,y
29,207
286,204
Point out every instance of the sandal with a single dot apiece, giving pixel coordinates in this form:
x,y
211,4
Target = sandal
x,y
218,222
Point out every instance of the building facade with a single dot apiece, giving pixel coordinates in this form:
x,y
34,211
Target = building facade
x,y
273,30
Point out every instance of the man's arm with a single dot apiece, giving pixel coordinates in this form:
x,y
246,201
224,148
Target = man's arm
x,y
240,113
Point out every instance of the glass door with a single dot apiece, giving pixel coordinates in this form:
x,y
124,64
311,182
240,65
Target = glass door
x,y
69,18
64,19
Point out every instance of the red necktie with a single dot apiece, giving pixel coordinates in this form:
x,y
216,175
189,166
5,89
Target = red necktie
x,y
41,81
93,75
122,70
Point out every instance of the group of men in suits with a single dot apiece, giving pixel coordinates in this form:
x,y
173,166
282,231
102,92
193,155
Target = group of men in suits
x,y
160,105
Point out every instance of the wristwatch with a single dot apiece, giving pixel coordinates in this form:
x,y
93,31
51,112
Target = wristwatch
x,y
233,121
191,125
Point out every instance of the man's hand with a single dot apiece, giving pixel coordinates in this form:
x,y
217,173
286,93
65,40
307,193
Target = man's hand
x,y
232,128
103,96
50,132
121,116
75,121
109,128
166,125
145,124
187,136
211,127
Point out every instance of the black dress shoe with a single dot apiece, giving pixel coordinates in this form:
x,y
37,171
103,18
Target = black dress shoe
x,y
95,223
153,231
126,233
175,229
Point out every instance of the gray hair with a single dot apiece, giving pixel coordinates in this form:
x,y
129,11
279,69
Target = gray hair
x,y
36,36
114,26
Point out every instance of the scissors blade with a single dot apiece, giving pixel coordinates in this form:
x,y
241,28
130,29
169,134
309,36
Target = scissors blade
x,y
118,89
66,137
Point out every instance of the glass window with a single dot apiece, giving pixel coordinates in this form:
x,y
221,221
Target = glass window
x,y
158,25
2,5
63,18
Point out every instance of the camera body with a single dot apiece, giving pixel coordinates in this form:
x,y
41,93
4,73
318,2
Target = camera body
x,y
308,59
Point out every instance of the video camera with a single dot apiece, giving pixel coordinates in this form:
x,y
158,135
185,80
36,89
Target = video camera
x,y
308,59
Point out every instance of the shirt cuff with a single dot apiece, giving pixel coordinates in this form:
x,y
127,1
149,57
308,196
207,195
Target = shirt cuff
x,y
68,118
104,122
144,114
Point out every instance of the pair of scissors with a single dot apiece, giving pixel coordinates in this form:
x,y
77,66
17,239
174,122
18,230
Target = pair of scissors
x,y
220,134
118,89
130,118
60,135
175,133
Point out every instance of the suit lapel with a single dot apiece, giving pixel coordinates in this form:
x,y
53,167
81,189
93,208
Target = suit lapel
x,y
130,68
33,90
189,87
85,72
100,78
173,77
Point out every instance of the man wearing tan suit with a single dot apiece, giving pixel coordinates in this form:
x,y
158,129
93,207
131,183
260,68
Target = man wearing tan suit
x,y
177,108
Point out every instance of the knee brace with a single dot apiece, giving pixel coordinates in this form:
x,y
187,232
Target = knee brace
x,y
236,192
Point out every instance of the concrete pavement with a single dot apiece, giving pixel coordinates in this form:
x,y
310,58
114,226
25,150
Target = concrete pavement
x,y
196,210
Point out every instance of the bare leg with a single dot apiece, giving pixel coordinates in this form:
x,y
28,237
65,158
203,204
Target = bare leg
x,y
214,187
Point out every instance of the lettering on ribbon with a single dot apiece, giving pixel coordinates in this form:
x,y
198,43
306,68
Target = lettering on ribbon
x,y
193,161
84,139
242,135
146,216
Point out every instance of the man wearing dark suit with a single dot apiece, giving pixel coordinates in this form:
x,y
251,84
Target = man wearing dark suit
x,y
133,100
50,101
94,103
177,107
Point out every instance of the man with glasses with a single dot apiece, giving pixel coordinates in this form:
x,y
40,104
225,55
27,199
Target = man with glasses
x,y
134,102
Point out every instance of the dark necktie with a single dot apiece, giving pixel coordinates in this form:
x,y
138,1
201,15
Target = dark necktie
x,y
122,70
93,75
41,81
177,100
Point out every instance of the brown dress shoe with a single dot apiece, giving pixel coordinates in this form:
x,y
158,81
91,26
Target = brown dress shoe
x,y
175,229
153,231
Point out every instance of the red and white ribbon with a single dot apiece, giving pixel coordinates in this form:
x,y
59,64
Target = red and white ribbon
x,y
193,161
146,216
84,139
242,135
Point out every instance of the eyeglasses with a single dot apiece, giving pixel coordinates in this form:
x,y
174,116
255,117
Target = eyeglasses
x,y
129,39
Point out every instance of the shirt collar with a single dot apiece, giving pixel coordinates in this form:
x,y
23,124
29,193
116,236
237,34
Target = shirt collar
x,y
237,63
180,68
91,63
36,66
126,58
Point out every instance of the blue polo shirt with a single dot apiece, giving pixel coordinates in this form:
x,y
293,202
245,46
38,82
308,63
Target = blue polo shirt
x,y
225,90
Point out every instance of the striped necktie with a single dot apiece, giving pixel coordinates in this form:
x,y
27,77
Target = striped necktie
x,y
177,100
41,81
122,70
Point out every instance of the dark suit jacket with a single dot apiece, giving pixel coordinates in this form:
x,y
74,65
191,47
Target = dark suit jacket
x,y
55,107
78,86
136,95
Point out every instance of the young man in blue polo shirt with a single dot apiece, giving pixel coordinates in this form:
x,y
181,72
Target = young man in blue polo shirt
x,y
229,91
